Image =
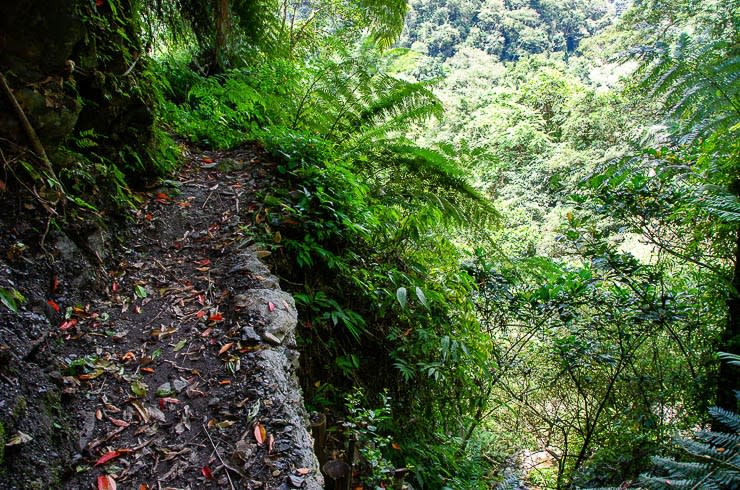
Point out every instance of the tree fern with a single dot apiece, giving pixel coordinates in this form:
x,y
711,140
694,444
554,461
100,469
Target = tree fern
x,y
715,459
697,77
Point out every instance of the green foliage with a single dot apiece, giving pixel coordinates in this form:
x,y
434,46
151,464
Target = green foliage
x,y
714,460
11,298
506,30
366,427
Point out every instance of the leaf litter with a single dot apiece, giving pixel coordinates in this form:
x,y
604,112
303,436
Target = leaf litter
x,y
169,352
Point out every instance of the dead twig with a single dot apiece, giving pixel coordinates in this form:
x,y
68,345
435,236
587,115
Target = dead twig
x,y
231,484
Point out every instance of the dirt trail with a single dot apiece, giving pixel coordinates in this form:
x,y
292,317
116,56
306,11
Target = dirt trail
x,y
170,364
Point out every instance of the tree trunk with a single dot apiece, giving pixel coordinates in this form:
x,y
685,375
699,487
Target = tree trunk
x,y
728,380
223,18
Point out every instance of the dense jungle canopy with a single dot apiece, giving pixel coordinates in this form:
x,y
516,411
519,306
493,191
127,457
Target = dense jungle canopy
x,y
511,227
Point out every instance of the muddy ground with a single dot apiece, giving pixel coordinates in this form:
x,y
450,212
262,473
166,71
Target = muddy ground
x,y
156,354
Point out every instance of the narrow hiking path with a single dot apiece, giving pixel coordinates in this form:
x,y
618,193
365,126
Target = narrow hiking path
x,y
178,371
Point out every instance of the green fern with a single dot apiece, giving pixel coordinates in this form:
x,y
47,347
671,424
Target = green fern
x,y
698,80
715,459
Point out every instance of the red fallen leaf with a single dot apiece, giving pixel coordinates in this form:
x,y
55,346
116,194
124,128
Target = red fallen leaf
x,y
203,262
53,304
163,197
3,186
200,314
119,422
271,306
216,317
206,160
143,486
206,471
206,332
68,324
110,455
225,382
396,446
106,482
168,399
54,284
225,348
202,299
184,204
260,434
98,3
149,216
115,287
147,370
128,356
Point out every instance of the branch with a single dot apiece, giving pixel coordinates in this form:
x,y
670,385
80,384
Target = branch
x,y
38,148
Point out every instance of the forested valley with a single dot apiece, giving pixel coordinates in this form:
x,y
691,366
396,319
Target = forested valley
x,y
511,228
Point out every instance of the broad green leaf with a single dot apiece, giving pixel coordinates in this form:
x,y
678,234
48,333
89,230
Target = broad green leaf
x,y
401,296
422,297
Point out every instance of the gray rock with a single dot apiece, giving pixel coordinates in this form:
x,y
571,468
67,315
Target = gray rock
x,y
275,310
286,394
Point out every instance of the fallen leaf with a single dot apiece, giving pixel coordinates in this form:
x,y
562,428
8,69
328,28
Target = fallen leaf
x,y
396,446
54,284
143,486
99,414
53,305
139,388
216,317
66,325
115,287
128,356
203,262
225,348
270,443
147,370
178,347
140,291
206,160
206,471
206,332
110,455
200,314
105,482
19,438
260,434
271,306
119,422
225,382
302,471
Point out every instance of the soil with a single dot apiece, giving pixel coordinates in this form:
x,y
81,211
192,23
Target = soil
x,y
157,354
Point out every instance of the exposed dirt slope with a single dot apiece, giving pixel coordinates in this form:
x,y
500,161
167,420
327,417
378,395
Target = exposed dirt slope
x,y
157,356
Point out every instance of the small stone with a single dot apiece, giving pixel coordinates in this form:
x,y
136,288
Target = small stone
x,y
250,334
165,389
297,481
156,414
179,385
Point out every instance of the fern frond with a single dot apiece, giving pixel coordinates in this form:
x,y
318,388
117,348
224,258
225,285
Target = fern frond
x,y
726,418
